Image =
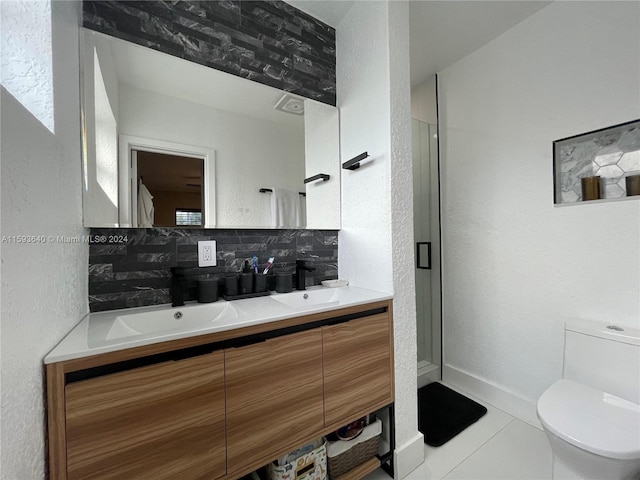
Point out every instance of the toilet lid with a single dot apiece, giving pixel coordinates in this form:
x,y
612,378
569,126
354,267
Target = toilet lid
x,y
595,421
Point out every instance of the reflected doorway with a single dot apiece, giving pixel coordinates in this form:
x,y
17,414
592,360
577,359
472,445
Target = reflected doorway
x,y
172,185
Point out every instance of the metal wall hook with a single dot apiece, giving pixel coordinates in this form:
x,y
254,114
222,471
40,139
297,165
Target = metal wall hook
x,y
321,176
354,163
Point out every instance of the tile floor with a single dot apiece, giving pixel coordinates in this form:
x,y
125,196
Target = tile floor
x,y
496,447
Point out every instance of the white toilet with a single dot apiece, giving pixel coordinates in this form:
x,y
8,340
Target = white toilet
x,y
592,416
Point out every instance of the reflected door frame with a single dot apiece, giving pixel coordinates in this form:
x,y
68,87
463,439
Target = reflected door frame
x,y
127,174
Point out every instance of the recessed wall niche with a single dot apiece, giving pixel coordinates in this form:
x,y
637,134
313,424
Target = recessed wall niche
x,y
600,165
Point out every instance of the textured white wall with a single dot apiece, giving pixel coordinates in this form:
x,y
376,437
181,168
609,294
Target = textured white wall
x,y
376,239
250,153
25,64
44,286
515,266
404,303
365,256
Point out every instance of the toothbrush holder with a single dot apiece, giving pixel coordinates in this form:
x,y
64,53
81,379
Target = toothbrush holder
x,y
231,285
259,282
246,283
284,282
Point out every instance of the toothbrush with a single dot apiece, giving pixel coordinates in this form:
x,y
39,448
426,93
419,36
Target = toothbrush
x,y
269,263
255,264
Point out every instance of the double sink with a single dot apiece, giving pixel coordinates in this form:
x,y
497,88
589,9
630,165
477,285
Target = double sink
x,y
146,321
115,330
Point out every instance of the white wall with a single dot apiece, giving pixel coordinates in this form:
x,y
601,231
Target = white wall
x,y
515,266
322,155
423,101
250,153
100,109
376,239
44,286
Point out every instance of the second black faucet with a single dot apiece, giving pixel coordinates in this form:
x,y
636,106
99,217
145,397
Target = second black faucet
x,y
301,274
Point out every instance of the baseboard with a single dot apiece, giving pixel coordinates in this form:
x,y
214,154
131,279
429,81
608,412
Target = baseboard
x,y
408,457
496,395
427,373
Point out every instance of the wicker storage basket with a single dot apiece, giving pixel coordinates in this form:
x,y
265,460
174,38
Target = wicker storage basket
x,y
364,447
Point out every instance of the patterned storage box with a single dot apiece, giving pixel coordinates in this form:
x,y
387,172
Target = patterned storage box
x,y
309,466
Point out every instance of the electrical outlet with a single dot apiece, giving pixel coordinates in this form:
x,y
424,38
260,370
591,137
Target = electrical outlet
x,y
207,253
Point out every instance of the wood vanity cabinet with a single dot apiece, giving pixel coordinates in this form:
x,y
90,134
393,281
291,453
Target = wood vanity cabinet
x,y
274,397
358,367
163,421
219,405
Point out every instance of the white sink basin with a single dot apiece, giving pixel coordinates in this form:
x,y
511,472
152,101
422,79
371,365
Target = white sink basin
x,y
191,317
114,330
309,298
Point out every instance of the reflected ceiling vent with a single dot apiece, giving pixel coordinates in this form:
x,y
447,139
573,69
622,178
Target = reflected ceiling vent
x,y
290,104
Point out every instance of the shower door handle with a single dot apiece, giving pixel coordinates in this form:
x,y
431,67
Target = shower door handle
x,y
423,255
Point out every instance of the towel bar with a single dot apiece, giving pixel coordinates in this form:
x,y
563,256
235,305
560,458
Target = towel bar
x,y
268,190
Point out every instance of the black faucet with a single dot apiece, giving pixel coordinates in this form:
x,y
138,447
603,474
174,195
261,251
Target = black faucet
x,y
301,276
178,286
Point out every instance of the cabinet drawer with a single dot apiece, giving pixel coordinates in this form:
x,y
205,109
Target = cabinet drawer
x,y
274,397
358,367
164,421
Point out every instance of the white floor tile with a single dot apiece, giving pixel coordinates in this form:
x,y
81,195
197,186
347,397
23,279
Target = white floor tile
x,y
519,451
496,447
441,460
378,474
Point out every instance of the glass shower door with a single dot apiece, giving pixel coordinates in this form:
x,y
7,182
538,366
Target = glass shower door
x,y
426,210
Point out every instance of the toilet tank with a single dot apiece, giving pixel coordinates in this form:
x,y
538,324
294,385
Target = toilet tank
x,y
603,356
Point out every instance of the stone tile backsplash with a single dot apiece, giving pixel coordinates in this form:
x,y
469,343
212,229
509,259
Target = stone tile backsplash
x,y
131,267
266,41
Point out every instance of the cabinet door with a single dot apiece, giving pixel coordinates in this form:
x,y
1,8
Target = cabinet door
x,y
358,367
274,397
164,421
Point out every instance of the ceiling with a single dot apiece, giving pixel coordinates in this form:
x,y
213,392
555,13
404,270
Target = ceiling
x,y
441,32
172,173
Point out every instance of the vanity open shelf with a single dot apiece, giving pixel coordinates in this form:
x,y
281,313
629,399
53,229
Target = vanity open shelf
x,y
223,404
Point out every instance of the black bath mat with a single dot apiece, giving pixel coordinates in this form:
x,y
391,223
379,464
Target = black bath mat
x,y
443,413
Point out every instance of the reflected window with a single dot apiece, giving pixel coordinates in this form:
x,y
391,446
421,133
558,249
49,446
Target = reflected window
x,y
186,217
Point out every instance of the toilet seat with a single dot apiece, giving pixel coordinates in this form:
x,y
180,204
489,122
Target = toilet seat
x,y
592,420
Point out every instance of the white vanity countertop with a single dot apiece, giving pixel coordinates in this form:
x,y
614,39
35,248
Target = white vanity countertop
x,y
115,330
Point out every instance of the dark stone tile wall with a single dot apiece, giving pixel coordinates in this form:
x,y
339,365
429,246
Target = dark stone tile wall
x,y
131,267
267,41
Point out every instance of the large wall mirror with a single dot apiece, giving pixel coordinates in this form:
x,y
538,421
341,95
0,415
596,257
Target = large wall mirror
x,y
168,142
